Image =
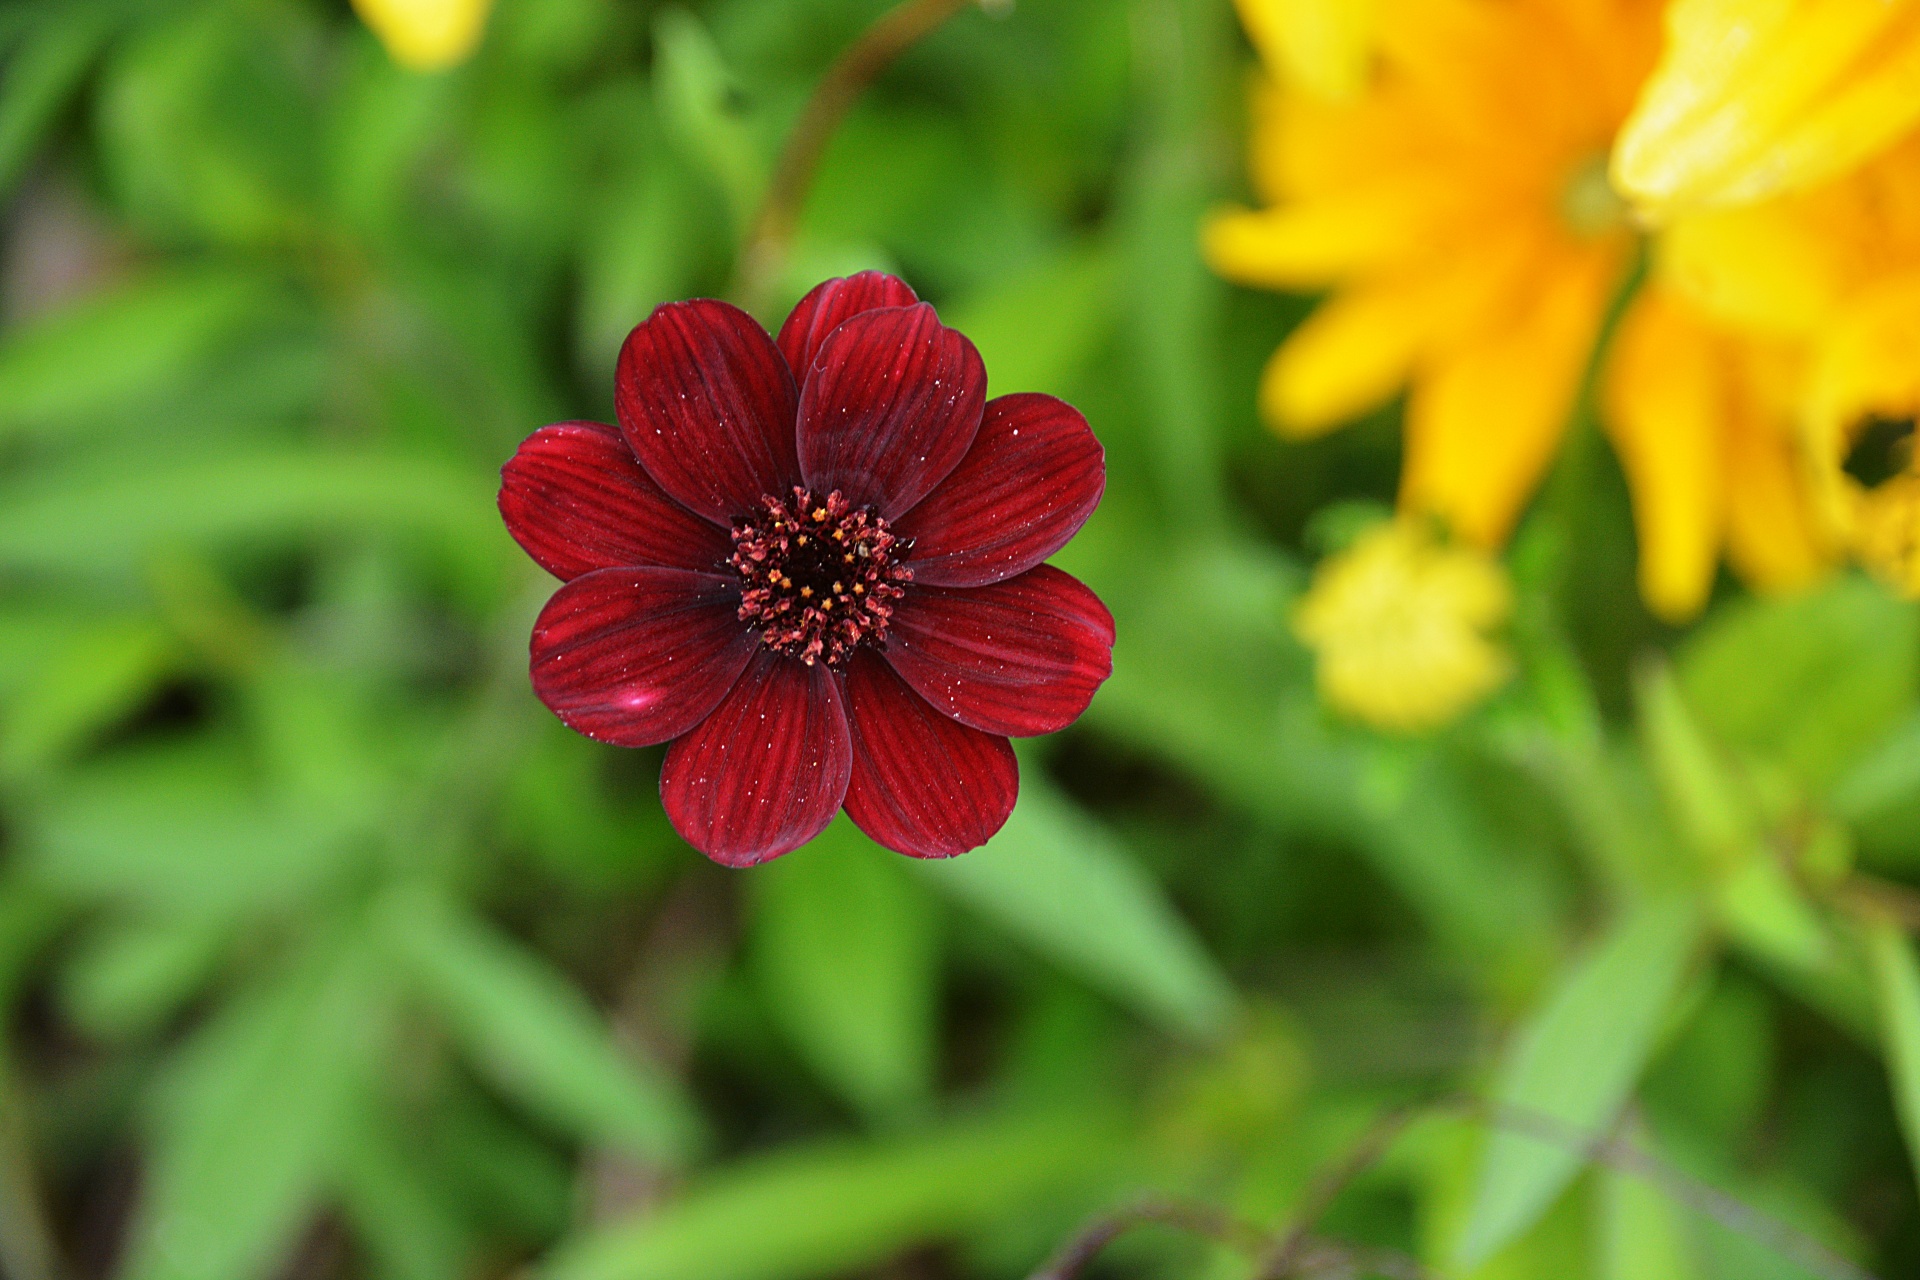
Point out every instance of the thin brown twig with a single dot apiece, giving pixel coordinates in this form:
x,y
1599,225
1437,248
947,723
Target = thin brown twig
x,y
1202,1220
1300,1253
892,34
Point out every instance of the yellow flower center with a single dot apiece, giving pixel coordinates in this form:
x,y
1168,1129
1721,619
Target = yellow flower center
x,y
1589,205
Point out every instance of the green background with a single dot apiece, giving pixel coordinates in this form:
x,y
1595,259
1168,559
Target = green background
x,y
326,952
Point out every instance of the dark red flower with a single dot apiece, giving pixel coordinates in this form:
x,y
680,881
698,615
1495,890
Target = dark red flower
x,y
813,565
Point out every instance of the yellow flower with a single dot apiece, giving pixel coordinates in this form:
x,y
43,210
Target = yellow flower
x,y
427,35
1861,409
1321,45
1399,623
1702,419
1460,211
1758,97
1837,271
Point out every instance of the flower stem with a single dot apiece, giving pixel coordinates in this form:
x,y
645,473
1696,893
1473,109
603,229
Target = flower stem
x,y
892,34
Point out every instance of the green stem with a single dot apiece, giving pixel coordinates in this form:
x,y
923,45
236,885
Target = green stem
x,y
765,256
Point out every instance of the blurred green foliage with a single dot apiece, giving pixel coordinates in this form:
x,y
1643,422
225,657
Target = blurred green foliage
x,y
325,951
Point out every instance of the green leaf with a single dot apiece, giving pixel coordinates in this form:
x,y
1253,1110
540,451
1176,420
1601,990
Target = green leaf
x,y
1577,1062
178,829
1896,983
1884,779
160,329
41,79
841,1209
533,1032
132,975
1643,1233
95,519
251,1116
845,949
1812,680
698,101
1039,329
1059,881
99,673
399,1214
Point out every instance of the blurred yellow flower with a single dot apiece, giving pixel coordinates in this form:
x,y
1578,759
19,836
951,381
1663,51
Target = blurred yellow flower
x,y
1400,624
1703,420
427,35
1837,270
1323,46
1758,97
1460,210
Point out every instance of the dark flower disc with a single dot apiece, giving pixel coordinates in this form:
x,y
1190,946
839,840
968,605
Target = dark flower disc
x,y
814,566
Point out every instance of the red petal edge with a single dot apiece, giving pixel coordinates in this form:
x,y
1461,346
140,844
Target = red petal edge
x,y
1019,657
829,305
1034,475
891,405
767,770
923,785
708,407
576,501
638,656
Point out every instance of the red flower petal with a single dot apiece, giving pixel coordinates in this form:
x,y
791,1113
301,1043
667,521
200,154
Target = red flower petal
x,y
1034,475
576,500
638,656
923,785
891,405
767,770
1020,657
831,303
707,405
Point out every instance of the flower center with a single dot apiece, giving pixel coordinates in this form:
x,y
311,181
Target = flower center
x,y
818,577
1589,205
1881,449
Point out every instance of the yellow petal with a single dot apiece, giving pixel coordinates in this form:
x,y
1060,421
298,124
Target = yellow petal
x,y
1349,356
1359,348
1484,421
1867,366
1320,45
1308,244
1754,97
1772,268
426,35
1874,106
1773,539
1664,405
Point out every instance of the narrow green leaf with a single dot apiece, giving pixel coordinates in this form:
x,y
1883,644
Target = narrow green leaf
x,y
132,975
96,519
1896,983
41,79
1058,880
159,328
533,1032
178,829
840,1209
251,1116
698,101
1643,1232
398,1212
1577,1061
99,673
844,947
